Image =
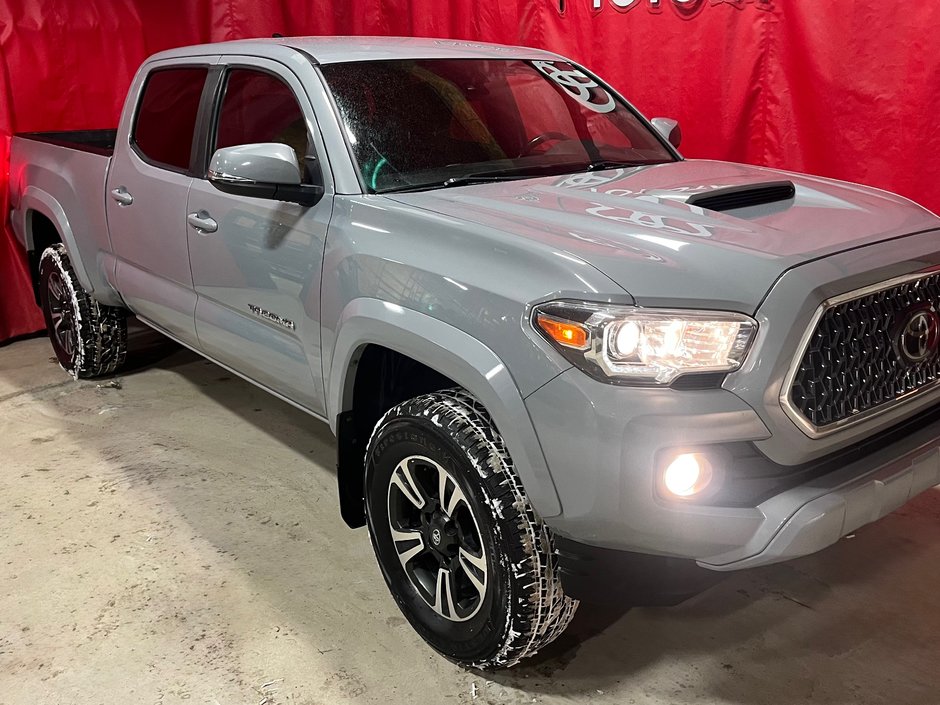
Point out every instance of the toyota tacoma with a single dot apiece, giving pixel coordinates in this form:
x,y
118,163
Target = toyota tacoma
x,y
554,352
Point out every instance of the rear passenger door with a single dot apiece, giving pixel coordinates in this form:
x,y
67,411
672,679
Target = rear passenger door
x,y
257,274
148,185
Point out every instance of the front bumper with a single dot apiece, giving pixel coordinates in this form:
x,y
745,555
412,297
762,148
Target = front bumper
x,y
813,516
601,443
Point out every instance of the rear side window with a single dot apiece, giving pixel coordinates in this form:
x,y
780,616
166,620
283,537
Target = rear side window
x,y
166,117
259,107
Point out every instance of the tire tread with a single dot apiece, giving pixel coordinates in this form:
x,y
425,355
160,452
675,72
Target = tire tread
x,y
545,611
101,330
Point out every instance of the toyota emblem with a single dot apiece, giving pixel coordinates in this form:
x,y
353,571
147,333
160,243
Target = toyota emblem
x,y
436,537
919,336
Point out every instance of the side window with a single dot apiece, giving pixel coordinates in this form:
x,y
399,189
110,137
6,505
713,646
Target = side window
x,y
259,107
166,116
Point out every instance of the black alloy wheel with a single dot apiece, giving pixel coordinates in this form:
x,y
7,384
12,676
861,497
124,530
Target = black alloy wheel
x,y
437,539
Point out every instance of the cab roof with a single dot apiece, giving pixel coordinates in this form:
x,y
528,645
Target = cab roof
x,y
335,49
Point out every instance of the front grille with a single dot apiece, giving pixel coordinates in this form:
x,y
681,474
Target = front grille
x,y
852,365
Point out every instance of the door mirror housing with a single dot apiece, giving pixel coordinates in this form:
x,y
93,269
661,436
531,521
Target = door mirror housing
x,y
265,170
669,129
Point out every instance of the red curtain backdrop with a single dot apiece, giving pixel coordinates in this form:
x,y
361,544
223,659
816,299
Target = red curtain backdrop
x,y
849,90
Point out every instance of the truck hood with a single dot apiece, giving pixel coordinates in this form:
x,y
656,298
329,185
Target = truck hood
x,y
637,226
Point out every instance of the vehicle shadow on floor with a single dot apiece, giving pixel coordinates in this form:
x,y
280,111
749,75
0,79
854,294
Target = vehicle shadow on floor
x,y
856,623
148,348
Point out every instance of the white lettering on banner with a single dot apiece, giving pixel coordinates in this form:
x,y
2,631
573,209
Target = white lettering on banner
x,y
685,7
578,85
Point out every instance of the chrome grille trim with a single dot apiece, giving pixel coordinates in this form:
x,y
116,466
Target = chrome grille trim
x,y
795,415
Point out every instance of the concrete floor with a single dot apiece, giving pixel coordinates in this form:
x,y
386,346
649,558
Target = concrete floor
x,y
174,537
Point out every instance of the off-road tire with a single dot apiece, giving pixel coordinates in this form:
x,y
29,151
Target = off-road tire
x,y
89,338
525,607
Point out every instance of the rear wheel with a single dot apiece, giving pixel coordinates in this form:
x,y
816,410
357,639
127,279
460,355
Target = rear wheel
x,y
89,338
464,554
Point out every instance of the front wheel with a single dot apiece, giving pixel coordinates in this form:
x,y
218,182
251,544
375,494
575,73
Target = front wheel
x,y
466,557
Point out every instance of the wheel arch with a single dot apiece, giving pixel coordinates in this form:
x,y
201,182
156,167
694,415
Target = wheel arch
x,y
451,354
35,201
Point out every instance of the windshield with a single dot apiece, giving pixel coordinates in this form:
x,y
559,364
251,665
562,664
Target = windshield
x,y
416,124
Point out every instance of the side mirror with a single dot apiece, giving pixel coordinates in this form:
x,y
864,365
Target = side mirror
x,y
265,170
669,129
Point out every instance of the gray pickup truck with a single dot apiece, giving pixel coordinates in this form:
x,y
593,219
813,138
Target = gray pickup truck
x,y
555,354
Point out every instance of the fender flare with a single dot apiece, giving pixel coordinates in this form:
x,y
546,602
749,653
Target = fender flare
x,y
458,356
35,199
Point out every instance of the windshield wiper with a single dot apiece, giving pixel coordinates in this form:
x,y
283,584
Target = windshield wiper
x,y
463,180
468,179
601,164
510,173
520,172
406,187
528,172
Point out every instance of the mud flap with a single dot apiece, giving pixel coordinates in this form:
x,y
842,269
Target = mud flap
x,y
350,471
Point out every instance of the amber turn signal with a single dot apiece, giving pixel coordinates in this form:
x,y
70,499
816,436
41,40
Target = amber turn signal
x,y
565,333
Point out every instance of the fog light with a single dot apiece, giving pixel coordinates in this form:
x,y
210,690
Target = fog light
x,y
687,475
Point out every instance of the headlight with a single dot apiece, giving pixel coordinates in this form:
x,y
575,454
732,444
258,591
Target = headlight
x,y
645,346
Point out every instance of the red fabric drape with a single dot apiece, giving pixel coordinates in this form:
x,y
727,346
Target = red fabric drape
x,y
849,90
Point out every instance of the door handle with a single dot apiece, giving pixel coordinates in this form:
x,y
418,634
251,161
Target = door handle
x,y
121,195
202,223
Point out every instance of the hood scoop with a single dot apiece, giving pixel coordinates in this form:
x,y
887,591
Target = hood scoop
x,y
744,196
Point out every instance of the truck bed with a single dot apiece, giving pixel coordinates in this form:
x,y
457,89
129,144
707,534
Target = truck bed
x,y
59,173
94,141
